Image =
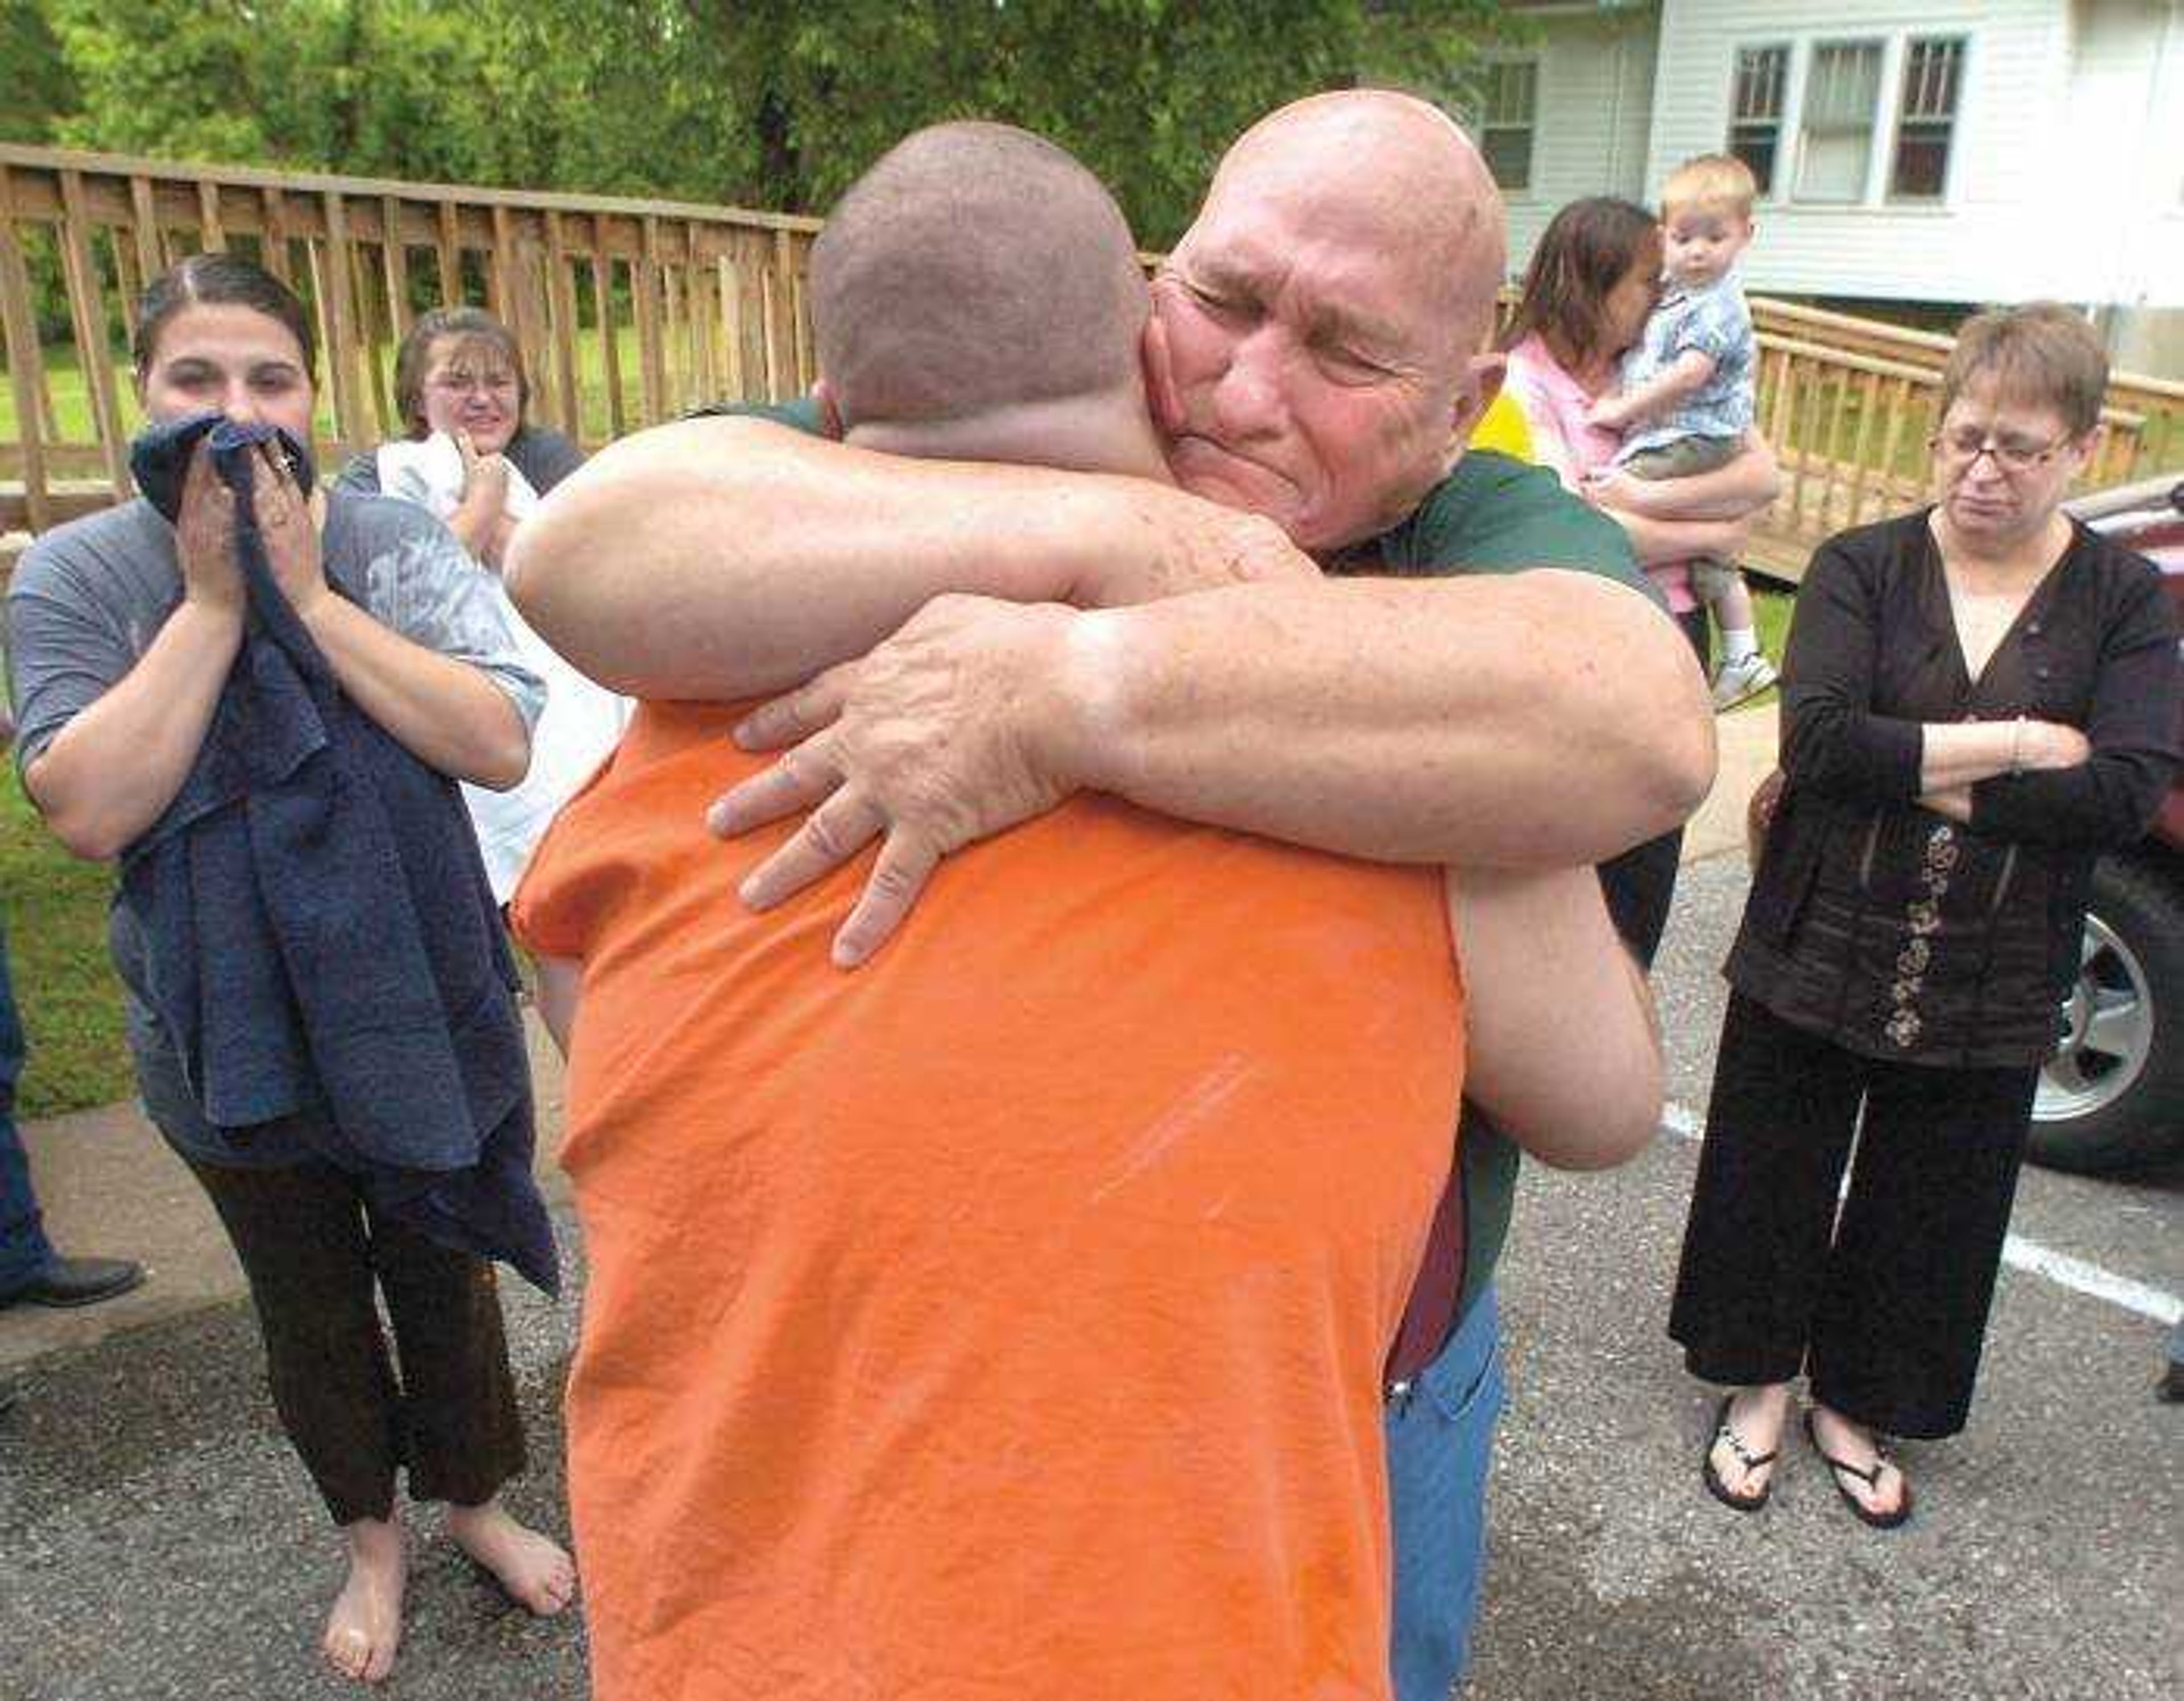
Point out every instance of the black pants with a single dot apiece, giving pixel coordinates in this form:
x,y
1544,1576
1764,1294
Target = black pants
x,y
313,1252
1885,1307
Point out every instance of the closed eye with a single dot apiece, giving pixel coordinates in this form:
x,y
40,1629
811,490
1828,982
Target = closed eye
x,y
1220,304
1348,363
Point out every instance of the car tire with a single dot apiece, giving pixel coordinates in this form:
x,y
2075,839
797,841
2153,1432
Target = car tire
x,y
2112,1098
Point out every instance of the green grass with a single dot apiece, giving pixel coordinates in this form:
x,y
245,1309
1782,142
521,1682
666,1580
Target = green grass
x,y
1773,608
55,908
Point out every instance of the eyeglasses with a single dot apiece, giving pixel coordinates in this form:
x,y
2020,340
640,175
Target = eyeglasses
x,y
459,383
2011,454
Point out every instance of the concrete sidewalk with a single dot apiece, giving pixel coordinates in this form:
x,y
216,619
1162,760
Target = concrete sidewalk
x,y
108,1184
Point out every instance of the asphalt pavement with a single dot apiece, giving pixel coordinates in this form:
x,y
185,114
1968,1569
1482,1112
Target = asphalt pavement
x,y
158,1540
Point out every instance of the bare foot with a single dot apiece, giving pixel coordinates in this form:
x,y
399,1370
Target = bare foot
x,y
1746,1446
1859,1468
365,1628
535,1569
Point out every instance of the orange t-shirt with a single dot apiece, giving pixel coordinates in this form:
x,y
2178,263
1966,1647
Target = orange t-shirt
x,y
1005,1318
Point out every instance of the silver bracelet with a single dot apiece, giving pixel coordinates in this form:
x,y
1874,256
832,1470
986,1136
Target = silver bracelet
x,y
2017,747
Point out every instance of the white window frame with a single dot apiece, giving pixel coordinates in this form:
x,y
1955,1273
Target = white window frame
x,y
1894,43
1894,75
1863,196
1786,141
1487,63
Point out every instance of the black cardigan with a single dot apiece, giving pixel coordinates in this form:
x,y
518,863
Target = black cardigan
x,y
1897,933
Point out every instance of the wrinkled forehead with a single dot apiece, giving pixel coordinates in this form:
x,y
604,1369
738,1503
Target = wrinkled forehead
x,y
1344,247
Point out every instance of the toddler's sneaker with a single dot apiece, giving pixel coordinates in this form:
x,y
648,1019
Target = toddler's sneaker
x,y
1734,682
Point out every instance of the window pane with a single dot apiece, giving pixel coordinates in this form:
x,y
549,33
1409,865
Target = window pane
x,y
1759,78
1845,84
1509,90
1508,151
1931,70
1922,162
1834,168
1842,92
1755,145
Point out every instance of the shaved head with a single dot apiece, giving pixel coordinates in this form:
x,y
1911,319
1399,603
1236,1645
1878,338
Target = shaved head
x,y
1410,182
1321,352
976,267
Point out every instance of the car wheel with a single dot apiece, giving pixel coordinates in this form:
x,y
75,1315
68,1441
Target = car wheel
x,y
2112,1098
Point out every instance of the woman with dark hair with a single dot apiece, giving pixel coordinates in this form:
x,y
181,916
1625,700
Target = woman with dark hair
x,y
1979,699
1586,294
460,374
248,694
472,460
1593,280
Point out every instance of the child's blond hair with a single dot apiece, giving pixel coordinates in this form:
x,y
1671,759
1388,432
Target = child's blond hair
x,y
1710,180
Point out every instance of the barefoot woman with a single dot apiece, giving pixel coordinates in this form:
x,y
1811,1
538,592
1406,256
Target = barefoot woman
x,y
124,630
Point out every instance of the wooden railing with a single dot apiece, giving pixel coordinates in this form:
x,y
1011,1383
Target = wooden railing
x,y
628,311
632,312
1849,405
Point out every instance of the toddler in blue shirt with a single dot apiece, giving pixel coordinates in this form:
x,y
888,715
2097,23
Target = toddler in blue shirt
x,y
1686,397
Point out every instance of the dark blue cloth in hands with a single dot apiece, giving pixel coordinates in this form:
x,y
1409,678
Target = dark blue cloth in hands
x,y
324,949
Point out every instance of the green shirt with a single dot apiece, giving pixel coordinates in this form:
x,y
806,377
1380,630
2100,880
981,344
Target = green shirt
x,y
1496,515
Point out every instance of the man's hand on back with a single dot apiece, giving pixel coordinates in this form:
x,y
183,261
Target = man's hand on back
x,y
947,734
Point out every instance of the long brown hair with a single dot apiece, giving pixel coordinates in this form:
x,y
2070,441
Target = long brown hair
x,y
1587,250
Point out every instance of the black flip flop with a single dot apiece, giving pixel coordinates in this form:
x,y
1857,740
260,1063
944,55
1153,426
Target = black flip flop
x,y
1750,1460
1842,1467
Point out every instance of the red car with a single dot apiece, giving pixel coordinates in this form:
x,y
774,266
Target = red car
x,y
2112,1098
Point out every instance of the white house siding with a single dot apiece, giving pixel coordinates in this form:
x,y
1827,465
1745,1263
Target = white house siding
x,y
2125,151
1595,91
1984,242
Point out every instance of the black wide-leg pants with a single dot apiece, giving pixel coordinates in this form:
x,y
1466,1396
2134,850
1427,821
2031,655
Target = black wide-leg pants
x,y
1884,1305
315,1253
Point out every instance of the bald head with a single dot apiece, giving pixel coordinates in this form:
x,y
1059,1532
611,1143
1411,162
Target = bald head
x,y
976,267
1409,181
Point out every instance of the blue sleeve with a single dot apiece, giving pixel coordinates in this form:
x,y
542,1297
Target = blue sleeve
x,y
1715,324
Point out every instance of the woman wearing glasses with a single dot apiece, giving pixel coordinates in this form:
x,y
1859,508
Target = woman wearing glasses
x,y
473,460
1980,698
458,375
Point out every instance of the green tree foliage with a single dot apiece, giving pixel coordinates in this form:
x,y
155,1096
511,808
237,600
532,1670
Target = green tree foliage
x,y
765,103
34,76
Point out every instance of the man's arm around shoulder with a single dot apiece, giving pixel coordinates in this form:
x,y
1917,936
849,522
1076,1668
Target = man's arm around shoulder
x,y
721,558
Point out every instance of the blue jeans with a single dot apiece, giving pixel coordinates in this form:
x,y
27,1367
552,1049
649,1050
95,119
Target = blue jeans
x,y
23,1249
1441,1441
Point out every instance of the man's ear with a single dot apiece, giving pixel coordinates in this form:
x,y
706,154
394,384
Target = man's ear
x,y
1482,384
1161,399
830,413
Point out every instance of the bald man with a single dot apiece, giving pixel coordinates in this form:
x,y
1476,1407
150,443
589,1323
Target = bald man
x,y
1316,353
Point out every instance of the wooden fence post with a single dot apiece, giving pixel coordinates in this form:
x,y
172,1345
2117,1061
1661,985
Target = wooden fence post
x,y
87,307
26,363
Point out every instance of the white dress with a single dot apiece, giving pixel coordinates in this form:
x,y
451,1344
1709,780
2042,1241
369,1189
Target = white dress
x,y
581,722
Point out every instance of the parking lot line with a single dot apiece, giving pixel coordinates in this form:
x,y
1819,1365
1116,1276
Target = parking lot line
x,y
2018,1252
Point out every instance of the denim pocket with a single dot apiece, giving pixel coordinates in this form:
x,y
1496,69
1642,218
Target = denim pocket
x,y
1467,1377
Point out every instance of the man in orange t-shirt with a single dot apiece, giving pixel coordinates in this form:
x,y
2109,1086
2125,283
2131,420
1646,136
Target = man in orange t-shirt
x,y
1007,1318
